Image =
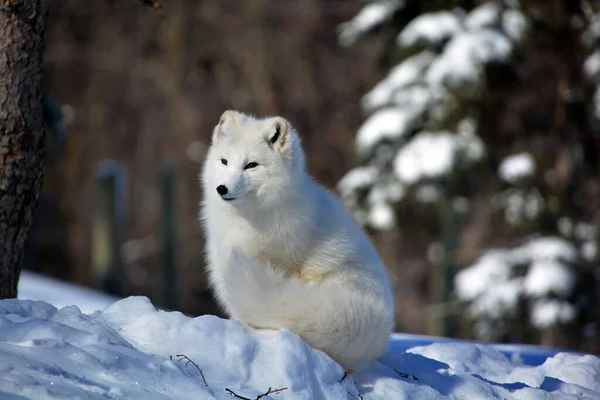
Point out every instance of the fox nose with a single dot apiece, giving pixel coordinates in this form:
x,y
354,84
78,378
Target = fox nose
x,y
222,190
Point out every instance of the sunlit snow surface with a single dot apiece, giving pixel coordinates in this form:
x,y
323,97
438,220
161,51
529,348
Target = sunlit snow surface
x,y
34,286
130,350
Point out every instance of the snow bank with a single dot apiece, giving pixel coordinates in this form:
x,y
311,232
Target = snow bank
x,y
130,350
33,286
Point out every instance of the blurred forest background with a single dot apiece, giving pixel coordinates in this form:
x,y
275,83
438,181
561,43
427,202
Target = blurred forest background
x,y
133,94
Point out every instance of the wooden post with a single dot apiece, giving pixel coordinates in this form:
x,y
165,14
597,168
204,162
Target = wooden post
x,y
107,225
168,263
443,277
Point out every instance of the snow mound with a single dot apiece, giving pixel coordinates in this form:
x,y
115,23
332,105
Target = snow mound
x,y
130,350
34,286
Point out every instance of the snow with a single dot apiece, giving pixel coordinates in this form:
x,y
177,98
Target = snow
x,y
427,155
494,285
475,280
357,178
408,72
369,18
472,145
597,102
395,191
589,250
417,97
586,231
551,312
546,277
33,286
520,203
487,15
515,25
445,55
427,193
592,33
547,248
381,216
431,155
512,22
517,167
487,283
460,66
429,30
130,350
385,124
591,66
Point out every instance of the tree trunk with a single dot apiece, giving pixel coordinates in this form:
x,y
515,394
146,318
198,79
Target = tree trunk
x,y
22,26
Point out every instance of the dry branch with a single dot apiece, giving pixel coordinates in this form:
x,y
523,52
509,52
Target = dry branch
x,y
403,375
268,392
354,396
187,361
347,373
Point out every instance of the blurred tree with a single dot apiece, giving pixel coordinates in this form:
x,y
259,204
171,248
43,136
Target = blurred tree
x,y
484,125
22,27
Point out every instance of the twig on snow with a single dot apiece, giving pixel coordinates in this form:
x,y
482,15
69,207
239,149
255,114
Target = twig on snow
x,y
403,375
268,392
187,361
354,396
346,374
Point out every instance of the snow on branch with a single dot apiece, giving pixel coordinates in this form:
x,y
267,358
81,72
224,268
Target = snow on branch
x,y
372,16
430,30
517,167
411,135
539,272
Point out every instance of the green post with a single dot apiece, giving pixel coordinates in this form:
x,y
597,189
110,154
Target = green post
x,y
443,279
168,264
107,225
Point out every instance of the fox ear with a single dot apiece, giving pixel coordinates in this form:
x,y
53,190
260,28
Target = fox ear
x,y
277,133
228,119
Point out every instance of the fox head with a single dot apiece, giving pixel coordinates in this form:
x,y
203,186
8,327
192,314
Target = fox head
x,y
252,160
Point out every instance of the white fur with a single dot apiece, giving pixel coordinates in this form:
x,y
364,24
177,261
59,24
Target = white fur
x,y
285,253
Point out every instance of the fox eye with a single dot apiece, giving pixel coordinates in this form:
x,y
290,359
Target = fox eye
x,y
251,165
223,161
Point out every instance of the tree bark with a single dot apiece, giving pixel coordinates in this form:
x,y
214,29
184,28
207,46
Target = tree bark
x,y
22,26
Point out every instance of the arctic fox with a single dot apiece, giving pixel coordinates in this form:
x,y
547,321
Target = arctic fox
x,y
282,251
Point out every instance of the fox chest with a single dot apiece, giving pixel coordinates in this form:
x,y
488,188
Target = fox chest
x,y
280,250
